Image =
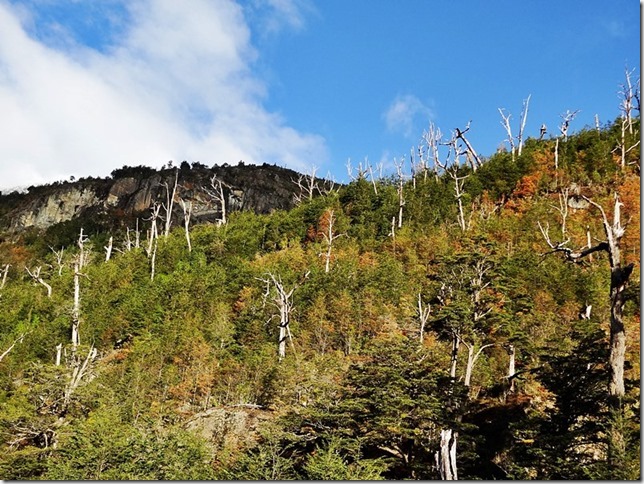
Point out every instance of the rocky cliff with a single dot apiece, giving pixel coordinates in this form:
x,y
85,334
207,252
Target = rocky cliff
x,y
131,191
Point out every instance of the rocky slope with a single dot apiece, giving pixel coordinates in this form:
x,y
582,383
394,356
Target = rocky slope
x,y
131,191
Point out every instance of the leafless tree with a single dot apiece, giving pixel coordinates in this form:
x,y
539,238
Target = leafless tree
x,y
618,282
59,258
524,118
433,138
508,128
153,233
361,171
153,258
5,272
108,249
78,266
401,181
8,350
423,315
216,192
459,181
170,196
567,119
308,186
472,157
187,212
630,96
282,299
35,275
329,237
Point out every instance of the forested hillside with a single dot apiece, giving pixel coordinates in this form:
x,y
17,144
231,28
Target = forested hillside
x,y
468,317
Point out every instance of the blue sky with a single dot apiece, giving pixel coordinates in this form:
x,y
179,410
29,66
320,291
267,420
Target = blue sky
x,y
89,86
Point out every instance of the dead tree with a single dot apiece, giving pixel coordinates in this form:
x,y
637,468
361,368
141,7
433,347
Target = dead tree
x,y
524,118
307,185
567,119
401,182
472,157
459,181
5,272
620,275
78,266
627,106
187,212
423,316
170,196
8,350
78,371
59,258
153,258
433,138
446,456
216,192
563,209
328,186
108,249
506,124
329,237
35,275
282,299
361,171
153,233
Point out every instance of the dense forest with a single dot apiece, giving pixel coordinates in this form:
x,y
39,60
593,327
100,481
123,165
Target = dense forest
x,y
465,317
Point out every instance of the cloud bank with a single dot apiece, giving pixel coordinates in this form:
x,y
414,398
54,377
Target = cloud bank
x,y
176,83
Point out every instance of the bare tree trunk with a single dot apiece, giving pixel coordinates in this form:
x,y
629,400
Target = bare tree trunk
x,y
511,366
187,212
36,277
475,160
401,199
108,249
5,271
153,234
446,456
459,181
307,186
524,118
423,315
456,342
329,237
282,300
170,203
59,258
217,194
618,282
8,350
153,259
506,124
76,307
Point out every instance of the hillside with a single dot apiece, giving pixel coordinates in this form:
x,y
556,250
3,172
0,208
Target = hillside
x,y
366,332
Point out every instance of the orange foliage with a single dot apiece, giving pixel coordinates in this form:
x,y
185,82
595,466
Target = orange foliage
x,y
629,194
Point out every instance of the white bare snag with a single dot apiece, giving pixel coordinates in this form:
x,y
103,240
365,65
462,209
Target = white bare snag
x,y
35,275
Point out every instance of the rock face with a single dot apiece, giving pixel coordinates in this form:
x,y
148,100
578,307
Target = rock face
x,y
131,192
58,207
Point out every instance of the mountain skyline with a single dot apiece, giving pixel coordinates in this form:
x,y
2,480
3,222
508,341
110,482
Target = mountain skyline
x,y
90,87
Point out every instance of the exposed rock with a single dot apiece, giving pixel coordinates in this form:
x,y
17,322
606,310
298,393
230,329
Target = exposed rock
x,y
121,188
228,427
58,207
130,195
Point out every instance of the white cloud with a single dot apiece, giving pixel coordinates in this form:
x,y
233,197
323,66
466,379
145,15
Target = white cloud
x,y
403,112
273,16
178,84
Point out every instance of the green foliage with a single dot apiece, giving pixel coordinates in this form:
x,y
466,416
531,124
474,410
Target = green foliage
x,y
357,396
